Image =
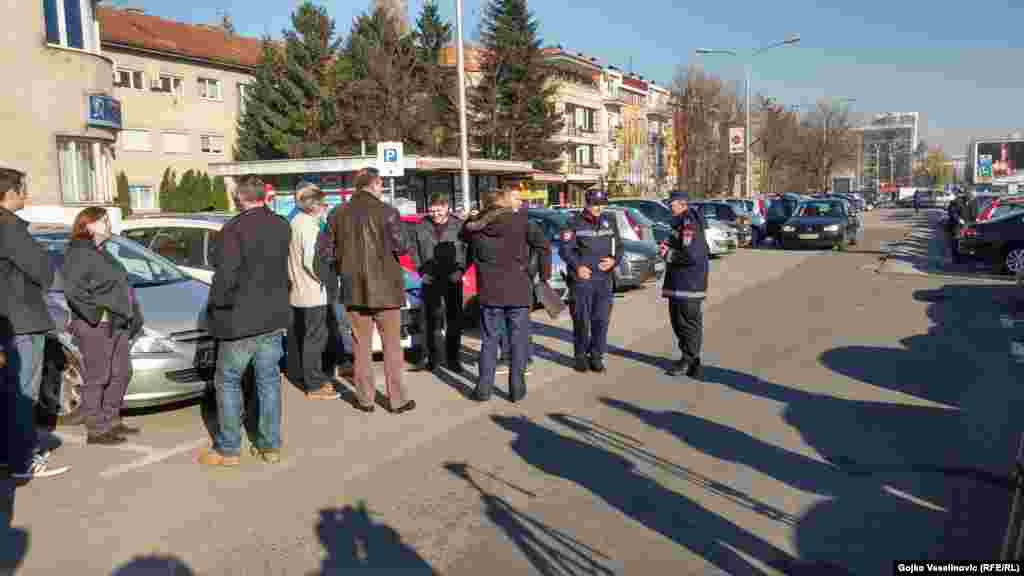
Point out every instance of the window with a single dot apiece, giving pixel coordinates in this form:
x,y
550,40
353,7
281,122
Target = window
x,y
243,94
211,144
128,79
85,171
183,246
136,140
209,89
142,197
70,23
141,235
585,155
175,143
169,85
144,268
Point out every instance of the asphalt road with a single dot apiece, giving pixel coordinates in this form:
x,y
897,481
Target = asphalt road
x,y
847,418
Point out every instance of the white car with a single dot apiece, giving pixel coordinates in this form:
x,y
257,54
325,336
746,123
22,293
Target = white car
x,y
188,241
721,238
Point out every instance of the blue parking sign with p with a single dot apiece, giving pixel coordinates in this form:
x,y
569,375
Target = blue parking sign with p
x,y
390,155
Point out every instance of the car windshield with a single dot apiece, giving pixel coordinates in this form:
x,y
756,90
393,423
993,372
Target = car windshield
x,y
820,210
651,210
709,211
1007,209
551,222
145,268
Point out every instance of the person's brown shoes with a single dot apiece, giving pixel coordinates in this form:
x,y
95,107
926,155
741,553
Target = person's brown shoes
x,y
122,428
109,438
346,370
326,392
407,407
270,456
215,459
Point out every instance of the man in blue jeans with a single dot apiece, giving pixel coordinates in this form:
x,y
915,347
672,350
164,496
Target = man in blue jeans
x,y
249,313
25,275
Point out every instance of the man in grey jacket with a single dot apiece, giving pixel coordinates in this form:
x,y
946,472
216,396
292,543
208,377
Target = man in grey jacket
x,y
25,275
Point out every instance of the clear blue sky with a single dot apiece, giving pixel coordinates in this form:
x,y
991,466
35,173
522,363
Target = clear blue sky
x,y
958,63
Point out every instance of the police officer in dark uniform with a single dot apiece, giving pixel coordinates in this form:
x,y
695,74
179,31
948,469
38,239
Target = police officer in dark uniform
x,y
591,249
686,282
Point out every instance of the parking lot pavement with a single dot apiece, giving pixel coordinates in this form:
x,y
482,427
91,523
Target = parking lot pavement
x,y
600,475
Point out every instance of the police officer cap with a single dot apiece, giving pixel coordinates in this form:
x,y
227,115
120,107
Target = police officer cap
x,y
678,195
596,196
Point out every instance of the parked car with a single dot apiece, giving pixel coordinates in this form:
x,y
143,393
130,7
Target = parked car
x,y
174,357
654,210
779,210
188,241
752,208
1001,206
640,262
633,225
999,242
819,223
725,213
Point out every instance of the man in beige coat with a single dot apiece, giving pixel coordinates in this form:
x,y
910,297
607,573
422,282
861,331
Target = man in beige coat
x,y
308,297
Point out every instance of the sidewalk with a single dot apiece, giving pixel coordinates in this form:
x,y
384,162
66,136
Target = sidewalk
x,y
926,250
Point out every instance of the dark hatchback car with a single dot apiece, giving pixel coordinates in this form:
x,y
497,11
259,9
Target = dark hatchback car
x,y
820,223
780,209
999,242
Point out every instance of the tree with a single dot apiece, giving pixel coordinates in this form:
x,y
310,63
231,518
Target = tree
x,y
705,108
833,147
204,193
432,35
514,101
220,195
776,140
186,190
291,107
168,191
124,200
387,98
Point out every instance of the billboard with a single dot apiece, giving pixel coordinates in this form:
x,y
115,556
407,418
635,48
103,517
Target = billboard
x,y
736,140
996,160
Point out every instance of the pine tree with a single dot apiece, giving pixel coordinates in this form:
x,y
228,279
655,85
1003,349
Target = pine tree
x,y
291,107
387,97
185,191
432,35
220,194
204,194
168,191
515,98
124,200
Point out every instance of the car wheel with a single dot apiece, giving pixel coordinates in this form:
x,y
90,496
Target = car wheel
x,y
62,370
1013,260
841,245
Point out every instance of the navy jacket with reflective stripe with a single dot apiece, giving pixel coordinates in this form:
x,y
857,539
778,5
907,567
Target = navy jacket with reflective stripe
x,y
686,274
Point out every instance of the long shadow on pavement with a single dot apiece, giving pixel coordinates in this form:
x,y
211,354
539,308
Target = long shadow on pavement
x,y
915,498
550,551
13,541
357,544
616,480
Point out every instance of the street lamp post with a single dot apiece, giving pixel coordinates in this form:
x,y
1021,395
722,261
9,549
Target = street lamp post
x,y
793,39
463,139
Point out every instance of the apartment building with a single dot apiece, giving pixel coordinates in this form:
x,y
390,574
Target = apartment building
x,y
182,91
60,116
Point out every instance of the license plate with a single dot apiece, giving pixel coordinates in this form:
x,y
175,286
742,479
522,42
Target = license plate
x,y
808,236
206,357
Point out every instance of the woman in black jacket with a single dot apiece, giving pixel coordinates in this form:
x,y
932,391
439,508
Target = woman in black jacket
x,y
105,317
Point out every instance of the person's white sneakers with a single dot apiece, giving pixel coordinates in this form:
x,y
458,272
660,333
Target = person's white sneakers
x,y
40,468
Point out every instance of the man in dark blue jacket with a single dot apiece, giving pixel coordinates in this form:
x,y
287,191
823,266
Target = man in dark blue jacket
x,y
25,276
591,249
686,282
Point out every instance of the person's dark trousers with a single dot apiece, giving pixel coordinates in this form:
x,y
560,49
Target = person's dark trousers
x,y
687,317
106,360
20,381
515,321
263,353
309,328
505,353
443,309
591,311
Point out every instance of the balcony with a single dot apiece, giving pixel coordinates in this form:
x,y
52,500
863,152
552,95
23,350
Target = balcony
x,y
660,111
615,98
583,171
581,131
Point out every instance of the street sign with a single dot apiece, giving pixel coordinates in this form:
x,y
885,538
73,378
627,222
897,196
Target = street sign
x,y
390,159
736,140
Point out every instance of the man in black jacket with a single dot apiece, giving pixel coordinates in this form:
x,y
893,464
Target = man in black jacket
x,y
440,257
25,275
249,313
686,282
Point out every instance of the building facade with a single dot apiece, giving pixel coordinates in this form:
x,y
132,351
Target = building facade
x,y
182,91
888,145
61,116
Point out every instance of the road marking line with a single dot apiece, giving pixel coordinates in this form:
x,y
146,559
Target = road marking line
x,y
154,458
126,447
911,498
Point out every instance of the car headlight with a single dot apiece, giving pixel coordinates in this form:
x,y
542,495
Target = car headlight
x,y
832,228
788,228
150,343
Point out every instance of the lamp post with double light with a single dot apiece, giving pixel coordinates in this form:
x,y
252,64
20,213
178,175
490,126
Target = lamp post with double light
x,y
793,39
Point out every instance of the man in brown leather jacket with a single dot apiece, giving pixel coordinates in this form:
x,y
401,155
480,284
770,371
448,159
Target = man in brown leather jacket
x,y
368,241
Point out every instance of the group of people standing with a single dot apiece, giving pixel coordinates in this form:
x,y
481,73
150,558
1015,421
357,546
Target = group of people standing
x,y
276,279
